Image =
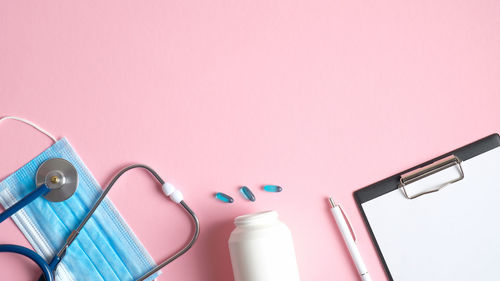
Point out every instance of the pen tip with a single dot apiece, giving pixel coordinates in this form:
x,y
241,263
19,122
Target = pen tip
x,y
331,202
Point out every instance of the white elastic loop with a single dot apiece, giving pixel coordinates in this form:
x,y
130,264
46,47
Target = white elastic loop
x,y
31,124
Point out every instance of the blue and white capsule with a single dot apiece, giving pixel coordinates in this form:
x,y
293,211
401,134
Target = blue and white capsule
x,y
247,193
273,188
224,197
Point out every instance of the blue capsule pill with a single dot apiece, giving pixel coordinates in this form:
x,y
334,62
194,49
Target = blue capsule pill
x,y
224,197
247,193
272,188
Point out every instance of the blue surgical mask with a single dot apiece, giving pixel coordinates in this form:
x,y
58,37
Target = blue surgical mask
x,y
106,249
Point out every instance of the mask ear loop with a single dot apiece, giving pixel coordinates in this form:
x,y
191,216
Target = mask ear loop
x,y
40,129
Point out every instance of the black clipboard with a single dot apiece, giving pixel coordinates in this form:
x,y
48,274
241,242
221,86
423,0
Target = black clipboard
x,y
394,182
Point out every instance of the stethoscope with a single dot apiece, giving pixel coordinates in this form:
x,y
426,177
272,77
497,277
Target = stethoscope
x,y
57,180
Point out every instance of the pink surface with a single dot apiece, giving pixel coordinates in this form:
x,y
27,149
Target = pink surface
x,y
321,97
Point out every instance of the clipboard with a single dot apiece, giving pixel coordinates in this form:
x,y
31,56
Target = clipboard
x,y
423,221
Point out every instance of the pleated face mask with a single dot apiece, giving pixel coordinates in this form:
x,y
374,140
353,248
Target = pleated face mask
x,y
106,248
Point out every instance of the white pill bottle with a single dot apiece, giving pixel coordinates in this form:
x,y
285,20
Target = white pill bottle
x,y
261,249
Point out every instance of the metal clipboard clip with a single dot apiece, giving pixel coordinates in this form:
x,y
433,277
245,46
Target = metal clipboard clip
x,y
428,170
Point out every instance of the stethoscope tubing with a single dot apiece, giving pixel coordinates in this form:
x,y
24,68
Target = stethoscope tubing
x,y
49,269
196,222
44,266
39,191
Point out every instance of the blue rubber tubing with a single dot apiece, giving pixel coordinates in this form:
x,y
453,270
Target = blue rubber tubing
x,y
44,266
40,191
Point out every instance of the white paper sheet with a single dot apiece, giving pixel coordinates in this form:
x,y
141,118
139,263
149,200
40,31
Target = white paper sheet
x,y
452,234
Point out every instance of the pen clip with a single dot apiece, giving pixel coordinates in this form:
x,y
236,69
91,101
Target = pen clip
x,y
348,223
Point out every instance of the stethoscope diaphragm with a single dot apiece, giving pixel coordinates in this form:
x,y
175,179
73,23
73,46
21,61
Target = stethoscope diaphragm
x,y
60,176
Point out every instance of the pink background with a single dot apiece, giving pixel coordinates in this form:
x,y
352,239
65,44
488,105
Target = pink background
x,y
321,97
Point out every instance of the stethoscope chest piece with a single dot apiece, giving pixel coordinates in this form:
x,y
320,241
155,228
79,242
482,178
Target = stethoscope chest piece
x,y
56,180
60,176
